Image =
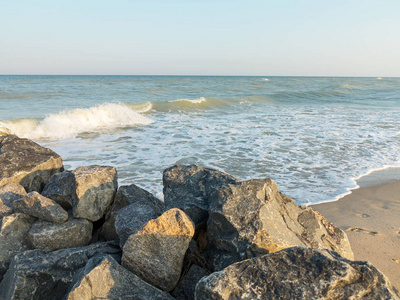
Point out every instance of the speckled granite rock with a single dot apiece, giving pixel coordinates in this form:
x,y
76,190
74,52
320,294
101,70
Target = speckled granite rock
x,y
8,194
26,163
156,252
61,189
297,273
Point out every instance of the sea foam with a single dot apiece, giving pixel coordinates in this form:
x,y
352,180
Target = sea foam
x,y
70,123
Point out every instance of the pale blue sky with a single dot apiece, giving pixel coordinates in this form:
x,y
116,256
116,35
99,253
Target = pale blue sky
x,y
193,37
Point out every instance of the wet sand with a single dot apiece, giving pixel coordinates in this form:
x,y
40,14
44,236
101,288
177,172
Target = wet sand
x,y
371,218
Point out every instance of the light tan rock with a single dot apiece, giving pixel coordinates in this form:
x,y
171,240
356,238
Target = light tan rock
x,y
71,234
156,252
27,163
8,194
95,190
43,208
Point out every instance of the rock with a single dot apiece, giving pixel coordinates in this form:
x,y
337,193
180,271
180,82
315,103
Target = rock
x,y
125,196
13,238
95,190
187,284
43,208
156,252
8,194
189,188
252,218
61,189
297,273
106,279
38,275
130,220
50,237
26,163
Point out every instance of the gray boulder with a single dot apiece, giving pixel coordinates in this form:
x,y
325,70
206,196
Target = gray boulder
x,y
297,273
189,188
61,189
50,237
8,194
38,275
26,163
13,238
95,190
127,195
43,208
130,220
252,218
185,290
106,279
156,252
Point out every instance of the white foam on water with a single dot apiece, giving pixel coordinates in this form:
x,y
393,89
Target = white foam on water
x,y
70,123
194,101
265,79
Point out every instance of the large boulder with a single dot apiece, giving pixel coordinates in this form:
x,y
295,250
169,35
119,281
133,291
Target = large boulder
x,y
13,238
189,188
43,208
187,284
8,194
252,218
71,234
95,190
130,220
106,279
36,274
297,273
156,252
61,189
127,195
26,163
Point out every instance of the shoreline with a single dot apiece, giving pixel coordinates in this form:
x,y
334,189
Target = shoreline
x,y
369,215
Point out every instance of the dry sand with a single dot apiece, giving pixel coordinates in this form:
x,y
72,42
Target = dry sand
x,y
371,218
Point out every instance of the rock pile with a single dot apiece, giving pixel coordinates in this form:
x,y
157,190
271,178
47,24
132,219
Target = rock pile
x,y
76,235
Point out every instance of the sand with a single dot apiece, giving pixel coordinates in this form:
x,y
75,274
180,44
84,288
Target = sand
x,y
371,218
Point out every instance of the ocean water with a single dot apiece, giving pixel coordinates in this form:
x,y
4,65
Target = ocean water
x,y
313,136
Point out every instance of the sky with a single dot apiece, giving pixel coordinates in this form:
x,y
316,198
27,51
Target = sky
x,y
201,37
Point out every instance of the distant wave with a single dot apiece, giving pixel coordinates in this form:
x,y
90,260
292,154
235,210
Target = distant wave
x,y
194,101
71,123
265,79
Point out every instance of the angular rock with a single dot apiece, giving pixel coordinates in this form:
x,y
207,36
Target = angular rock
x,y
125,196
297,273
26,163
156,252
71,234
43,208
130,220
38,275
13,238
61,189
95,190
189,188
187,284
252,218
8,194
106,279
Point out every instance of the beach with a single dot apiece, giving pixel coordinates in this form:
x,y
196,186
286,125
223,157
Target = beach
x,y
370,217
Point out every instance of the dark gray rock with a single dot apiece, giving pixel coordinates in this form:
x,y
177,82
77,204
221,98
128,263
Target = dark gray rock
x,y
61,188
252,218
43,208
8,194
38,275
185,290
127,195
131,219
95,190
297,273
189,188
13,238
26,163
106,279
71,234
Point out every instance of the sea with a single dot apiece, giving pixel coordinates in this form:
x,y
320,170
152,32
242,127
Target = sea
x,y
314,136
